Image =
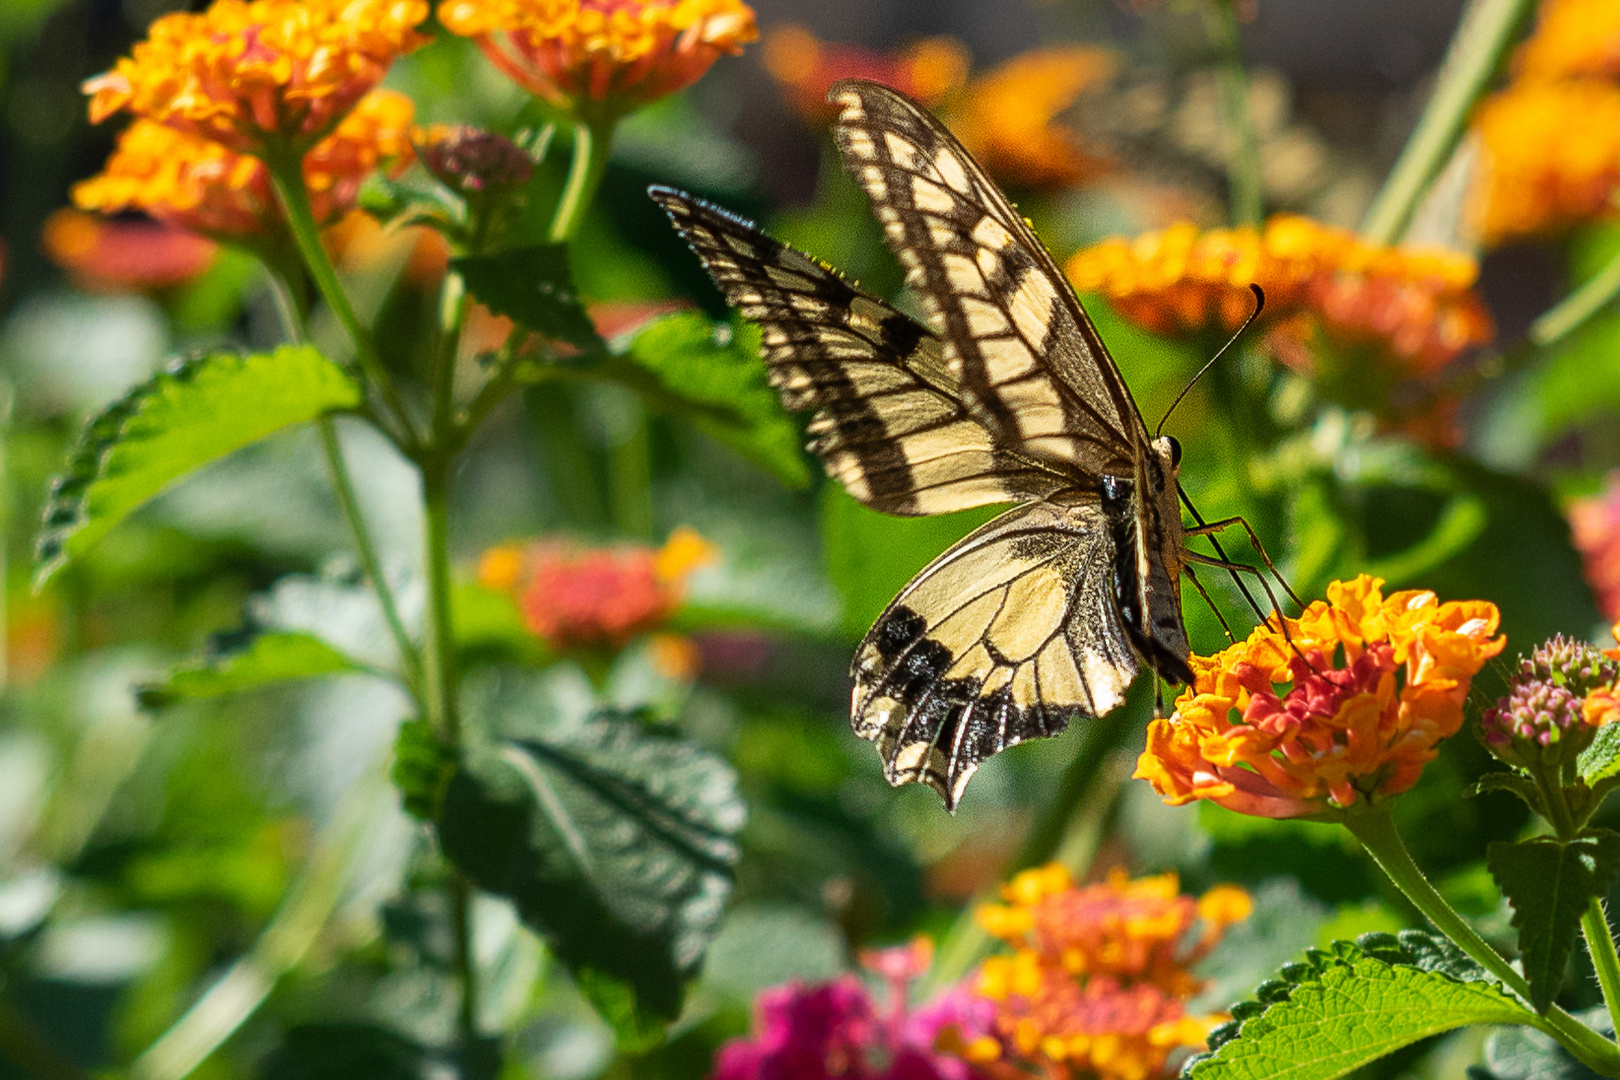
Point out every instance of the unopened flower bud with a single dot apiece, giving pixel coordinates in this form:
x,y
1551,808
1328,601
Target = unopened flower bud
x,y
1538,723
469,159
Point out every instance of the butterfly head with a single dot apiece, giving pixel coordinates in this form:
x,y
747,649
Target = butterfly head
x,y
1168,450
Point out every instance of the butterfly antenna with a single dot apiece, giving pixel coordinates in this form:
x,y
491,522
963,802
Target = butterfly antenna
x,y
1259,305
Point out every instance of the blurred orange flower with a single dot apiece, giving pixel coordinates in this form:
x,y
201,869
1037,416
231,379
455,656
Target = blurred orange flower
x,y
1100,975
1416,304
1594,523
589,54
198,185
807,67
1550,158
103,255
1572,37
577,597
1007,117
1348,704
254,75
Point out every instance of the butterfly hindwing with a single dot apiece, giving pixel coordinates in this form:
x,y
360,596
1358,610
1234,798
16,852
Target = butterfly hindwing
x,y
1030,364
1007,636
890,424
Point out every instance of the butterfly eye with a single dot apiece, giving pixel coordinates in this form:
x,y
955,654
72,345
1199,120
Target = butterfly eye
x,y
1175,451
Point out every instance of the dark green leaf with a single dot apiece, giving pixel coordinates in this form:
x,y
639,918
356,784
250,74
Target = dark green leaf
x,y
1601,760
238,664
1516,783
423,766
613,839
1522,1053
707,373
344,1051
193,412
1550,883
534,287
1343,1008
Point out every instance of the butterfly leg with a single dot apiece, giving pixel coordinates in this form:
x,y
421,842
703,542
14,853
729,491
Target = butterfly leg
x,y
1209,528
1235,568
1203,592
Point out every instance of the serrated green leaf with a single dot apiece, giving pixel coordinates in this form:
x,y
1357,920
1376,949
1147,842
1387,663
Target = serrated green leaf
x,y
193,412
1601,760
614,841
1550,883
713,376
260,660
532,286
1349,1010
1514,783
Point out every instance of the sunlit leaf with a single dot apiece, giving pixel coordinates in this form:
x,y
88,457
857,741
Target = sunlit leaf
x,y
238,664
193,412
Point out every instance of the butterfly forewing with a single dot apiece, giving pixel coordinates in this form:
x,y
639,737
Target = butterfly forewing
x,y
890,425
1030,364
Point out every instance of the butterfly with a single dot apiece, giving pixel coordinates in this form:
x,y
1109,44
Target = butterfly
x,y
1048,612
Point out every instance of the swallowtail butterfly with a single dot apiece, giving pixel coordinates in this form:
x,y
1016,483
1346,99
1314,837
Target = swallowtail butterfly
x,y
1048,612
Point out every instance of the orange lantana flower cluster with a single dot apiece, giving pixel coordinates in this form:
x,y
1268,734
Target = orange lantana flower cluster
x,y
204,187
1550,140
927,70
589,54
1594,524
254,75
578,597
1346,702
1100,975
1417,305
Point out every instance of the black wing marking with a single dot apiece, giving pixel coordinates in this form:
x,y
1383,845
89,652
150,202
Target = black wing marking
x,y
890,425
1030,363
1007,636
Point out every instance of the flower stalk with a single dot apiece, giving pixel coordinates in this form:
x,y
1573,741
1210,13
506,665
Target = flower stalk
x,y
1488,28
1375,829
1245,193
593,138
1571,313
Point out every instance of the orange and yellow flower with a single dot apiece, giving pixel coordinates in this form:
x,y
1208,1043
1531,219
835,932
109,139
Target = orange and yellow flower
x,y
1572,38
586,55
1347,704
203,187
1418,304
1100,975
576,597
1550,158
259,74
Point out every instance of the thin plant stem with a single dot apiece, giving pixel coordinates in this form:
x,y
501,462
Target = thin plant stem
x,y
292,320
1245,194
593,137
630,476
1487,29
1375,829
1570,313
286,175
1600,945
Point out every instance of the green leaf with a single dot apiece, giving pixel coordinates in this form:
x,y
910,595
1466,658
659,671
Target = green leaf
x,y
343,1050
237,664
1343,1008
713,375
1550,883
1601,760
1516,783
191,413
614,840
1521,1053
534,287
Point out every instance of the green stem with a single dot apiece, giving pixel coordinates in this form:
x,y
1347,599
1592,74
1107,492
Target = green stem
x,y
1375,828
286,175
1244,191
630,479
593,136
292,320
1487,29
1600,945
1592,296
